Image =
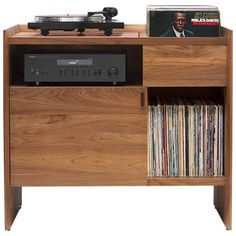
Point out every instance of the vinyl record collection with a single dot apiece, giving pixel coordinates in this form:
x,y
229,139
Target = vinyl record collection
x,y
185,137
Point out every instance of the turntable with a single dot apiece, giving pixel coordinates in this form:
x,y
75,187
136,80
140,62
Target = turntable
x,y
101,20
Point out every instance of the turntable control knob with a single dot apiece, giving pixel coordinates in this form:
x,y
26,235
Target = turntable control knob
x,y
112,72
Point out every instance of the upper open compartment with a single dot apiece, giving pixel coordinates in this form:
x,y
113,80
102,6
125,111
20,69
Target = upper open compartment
x,y
151,61
75,64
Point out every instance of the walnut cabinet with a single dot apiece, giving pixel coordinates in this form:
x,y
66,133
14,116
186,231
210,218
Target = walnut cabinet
x,y
77,135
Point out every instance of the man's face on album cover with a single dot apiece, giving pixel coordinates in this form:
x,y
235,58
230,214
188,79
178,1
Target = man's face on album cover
x,y
179,21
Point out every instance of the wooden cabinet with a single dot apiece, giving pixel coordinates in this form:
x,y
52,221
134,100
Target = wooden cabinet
x,y
71,136
74,135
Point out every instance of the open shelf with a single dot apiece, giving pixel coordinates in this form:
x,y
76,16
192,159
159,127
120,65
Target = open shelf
x,y
216,93
133,55
185,134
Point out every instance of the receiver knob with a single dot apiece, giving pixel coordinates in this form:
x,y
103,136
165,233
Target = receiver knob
x,y
37,72
112,72
97,72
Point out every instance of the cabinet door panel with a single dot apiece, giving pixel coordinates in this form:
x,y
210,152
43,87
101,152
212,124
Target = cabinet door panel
x,y
184,65
77,136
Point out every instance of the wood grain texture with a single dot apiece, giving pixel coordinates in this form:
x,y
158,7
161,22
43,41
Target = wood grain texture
x,y
130,35
223,195
78,136
124,38
188,65
99,100
181,181
12,196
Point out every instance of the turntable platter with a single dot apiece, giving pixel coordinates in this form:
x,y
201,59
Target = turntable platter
x,y
68,18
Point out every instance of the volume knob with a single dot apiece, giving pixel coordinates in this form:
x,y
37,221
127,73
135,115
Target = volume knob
x,y
112,72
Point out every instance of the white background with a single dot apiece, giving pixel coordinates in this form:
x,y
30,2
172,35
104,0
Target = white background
x,y
109,210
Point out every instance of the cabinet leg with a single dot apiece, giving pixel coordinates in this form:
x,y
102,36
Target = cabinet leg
x,y
13,201
223,204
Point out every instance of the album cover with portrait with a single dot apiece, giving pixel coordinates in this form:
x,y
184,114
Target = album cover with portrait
x,y
184,21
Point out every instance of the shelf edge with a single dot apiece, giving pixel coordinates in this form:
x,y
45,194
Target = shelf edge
x,y
186,181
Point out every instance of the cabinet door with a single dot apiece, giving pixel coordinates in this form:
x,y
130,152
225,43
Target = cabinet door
x,y
184,65
78,136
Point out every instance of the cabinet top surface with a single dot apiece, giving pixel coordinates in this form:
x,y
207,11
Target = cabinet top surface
x,y
131,34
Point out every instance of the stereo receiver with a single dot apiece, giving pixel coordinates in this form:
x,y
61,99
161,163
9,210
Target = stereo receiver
x,y
87,68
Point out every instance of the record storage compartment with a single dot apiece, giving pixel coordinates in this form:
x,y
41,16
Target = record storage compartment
x,y
36,115
185,132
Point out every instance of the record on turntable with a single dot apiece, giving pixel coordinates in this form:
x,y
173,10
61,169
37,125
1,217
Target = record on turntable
x,y
69,18
101,20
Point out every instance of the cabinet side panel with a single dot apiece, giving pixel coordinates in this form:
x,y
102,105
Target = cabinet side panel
x,y
13,196
223,195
